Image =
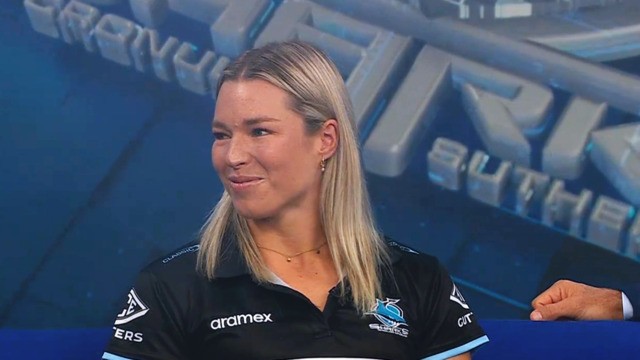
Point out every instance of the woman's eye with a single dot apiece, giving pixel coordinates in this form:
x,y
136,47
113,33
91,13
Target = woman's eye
x,y
219,135
259,132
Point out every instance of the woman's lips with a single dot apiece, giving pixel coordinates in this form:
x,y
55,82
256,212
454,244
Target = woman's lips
x,y
243,182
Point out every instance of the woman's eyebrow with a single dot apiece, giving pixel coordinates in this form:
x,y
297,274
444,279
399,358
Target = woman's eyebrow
x,y
219,125
247,122
258,120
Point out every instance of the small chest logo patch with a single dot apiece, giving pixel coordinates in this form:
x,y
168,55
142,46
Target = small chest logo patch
x,y
390,316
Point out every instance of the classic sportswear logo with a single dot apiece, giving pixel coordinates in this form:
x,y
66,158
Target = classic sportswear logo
x,y
390,315
189,249
456,296
134,309
402,247
237,320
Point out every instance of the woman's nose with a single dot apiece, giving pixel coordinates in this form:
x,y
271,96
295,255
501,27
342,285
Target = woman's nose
x,y
237,152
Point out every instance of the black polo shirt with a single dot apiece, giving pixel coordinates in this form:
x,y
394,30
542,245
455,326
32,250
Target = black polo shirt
x,y
173,312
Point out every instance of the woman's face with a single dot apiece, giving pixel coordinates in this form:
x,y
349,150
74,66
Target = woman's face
x,y
265,160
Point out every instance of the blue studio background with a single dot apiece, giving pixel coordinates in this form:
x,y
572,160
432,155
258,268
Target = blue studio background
x,y
104,168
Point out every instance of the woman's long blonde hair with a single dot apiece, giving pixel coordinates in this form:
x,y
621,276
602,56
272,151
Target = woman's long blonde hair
x,y
318,93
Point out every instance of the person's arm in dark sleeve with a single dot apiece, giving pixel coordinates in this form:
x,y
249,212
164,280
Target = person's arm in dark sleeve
x,y
149,327
452,329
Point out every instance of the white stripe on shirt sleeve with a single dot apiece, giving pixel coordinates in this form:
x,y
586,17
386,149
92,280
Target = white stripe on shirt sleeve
x,y
109,356
459,350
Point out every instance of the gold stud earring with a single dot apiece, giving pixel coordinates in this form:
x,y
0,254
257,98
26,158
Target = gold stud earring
x,y
322,164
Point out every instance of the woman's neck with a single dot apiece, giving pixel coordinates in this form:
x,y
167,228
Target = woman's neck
x,y
291,235
295,250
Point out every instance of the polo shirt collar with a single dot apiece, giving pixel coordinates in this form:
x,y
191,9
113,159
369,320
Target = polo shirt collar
x,y
231,262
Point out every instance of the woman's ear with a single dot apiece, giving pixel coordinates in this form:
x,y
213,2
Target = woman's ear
x,y
329,138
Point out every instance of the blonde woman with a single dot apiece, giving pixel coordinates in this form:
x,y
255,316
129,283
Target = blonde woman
x,y
290,264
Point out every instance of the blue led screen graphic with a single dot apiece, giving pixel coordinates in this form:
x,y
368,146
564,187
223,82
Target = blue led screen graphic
x,y
500,136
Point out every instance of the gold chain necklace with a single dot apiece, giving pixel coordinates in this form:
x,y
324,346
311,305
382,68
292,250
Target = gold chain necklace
x,y
289,257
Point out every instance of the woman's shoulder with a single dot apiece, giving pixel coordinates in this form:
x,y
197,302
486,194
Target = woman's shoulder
x,y
405,254
175,266
412,269
414,264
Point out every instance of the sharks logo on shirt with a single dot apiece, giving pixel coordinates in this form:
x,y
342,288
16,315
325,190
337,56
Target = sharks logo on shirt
x,y
390,316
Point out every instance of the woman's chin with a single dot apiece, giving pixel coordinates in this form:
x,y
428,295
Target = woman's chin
x,y
252,213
